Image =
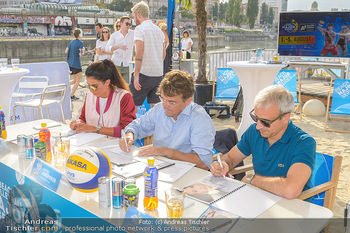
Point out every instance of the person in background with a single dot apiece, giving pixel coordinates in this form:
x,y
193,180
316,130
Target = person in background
x,y
181,129
167,58
108,107
116,25
74,51
344,35
121,45
186,44
329,40
283,155
98,28
101,45
164,29
150,53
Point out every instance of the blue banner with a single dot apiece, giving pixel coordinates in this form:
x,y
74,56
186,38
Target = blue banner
x,y
227,84
314,34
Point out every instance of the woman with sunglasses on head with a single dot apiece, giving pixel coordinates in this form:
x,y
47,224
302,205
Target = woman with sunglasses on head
x,y
108,107
101,45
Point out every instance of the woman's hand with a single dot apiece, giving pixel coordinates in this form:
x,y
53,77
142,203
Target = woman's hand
x,y
82,127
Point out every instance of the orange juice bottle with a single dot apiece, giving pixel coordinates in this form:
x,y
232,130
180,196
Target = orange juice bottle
x,y
44,136
150,200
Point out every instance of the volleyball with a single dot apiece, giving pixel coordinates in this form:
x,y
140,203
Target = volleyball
x,y
321,23
85,166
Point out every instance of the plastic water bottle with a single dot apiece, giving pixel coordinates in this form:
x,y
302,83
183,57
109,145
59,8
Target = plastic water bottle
x,y
2,125
150,201
45,136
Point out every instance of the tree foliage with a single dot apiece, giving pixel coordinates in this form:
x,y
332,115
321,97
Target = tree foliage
x,y
264,13
229,11
233,13
215,10
222,10
237,16
120,5
187,14
271,16
252,12
162,11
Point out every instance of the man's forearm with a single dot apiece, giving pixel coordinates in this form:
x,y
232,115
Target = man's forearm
x,y
276,185
138,64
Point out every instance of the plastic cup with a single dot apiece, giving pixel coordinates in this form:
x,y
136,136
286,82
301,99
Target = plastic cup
x,y
15,63
174,200
61,152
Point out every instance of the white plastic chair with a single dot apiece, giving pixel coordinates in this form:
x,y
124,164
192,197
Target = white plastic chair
x,y
27,84
51,94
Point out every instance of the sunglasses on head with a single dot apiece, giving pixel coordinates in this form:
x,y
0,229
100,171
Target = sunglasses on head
x,y
264,122
128,24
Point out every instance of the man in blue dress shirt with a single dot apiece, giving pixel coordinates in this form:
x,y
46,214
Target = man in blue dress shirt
x,y
182,130
282,154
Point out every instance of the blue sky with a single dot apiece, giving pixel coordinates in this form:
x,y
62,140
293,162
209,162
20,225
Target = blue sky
x,y
323,5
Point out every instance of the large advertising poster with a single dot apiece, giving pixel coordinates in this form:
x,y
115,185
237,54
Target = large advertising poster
x,y
63,1
315,34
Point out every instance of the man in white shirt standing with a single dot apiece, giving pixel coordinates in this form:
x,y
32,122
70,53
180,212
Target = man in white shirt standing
x,y
150,52
121,44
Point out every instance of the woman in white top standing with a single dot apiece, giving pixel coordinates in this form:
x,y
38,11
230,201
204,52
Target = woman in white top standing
x,y
186,44
101,45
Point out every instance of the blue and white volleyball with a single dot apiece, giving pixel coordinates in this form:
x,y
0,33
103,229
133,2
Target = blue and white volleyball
x,y
321,23
85,166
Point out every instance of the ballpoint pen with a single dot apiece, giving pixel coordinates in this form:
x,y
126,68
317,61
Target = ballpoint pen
x,y
219,160
124,137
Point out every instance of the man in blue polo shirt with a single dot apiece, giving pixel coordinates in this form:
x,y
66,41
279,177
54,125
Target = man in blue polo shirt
x,y
283,155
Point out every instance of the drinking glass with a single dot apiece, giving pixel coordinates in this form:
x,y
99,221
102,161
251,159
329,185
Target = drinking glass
x,y
61,152
276,57
15,63
174,200
3,62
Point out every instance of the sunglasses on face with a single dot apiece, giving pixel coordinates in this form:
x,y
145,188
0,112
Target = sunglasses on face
x,y
164,101
118,26
264,122
105,32
94,87
128,24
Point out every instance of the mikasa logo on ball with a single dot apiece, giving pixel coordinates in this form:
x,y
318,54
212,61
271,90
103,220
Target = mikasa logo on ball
x,y
77,163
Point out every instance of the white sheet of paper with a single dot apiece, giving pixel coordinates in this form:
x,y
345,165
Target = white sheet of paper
x,y
119,157
175,172
84,138
49,125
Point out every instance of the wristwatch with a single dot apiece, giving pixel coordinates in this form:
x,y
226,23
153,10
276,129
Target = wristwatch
x,y
250,177
98,128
